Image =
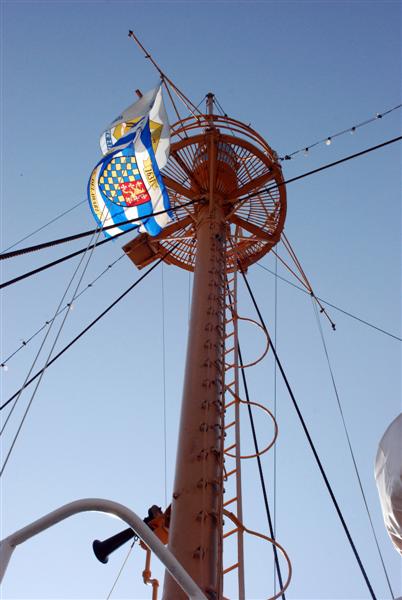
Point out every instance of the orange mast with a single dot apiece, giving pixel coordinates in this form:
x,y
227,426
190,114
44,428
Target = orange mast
x,y
217,162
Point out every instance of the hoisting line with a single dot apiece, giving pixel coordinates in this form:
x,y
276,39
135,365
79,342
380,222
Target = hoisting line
x,y
262,480
88,327
310,441
338,400
329,303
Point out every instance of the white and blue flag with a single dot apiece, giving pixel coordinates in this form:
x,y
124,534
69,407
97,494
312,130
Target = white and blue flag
x,y
127,183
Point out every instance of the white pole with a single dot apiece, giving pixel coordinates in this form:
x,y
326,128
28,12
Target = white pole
x,y
8,545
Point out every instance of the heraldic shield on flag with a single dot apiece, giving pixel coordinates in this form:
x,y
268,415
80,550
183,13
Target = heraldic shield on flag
x,y
127,183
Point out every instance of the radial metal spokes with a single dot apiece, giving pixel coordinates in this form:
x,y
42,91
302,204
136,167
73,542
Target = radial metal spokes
x,y
247,180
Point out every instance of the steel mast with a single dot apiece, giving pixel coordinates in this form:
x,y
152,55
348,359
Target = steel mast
x,y
218,162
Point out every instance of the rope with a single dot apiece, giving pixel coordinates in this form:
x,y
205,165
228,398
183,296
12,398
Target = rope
x,y
331,305
311,444
26,341
49,354
121,568
349,443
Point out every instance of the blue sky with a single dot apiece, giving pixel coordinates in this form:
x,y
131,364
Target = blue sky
x,y
298,71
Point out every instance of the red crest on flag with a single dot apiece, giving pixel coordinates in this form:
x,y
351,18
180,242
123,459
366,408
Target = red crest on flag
x,y
134,192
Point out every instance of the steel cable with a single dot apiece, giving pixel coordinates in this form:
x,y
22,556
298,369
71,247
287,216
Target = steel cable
x,y
298,287
335,388
88,327
26,341
261,473
91,251
311,443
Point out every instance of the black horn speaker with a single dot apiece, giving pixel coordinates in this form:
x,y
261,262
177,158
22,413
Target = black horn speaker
x,y
103,549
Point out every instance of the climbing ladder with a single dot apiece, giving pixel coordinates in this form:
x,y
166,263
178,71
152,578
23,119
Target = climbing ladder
x,y
232,498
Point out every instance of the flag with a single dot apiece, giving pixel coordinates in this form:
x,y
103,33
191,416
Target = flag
x,y
127,183
125,126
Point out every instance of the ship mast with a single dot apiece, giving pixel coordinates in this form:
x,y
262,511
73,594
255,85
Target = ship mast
x,y
239,209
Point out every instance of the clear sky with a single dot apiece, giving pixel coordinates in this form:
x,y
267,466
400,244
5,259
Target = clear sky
x,y
298,71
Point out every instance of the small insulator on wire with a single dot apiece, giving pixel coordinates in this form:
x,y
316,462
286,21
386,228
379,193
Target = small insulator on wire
x,y
353,130
333,326
4,367
328,141
287,157
305,151
378,116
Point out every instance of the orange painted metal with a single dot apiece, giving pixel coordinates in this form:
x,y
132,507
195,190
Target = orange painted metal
x,y
195,527
216,162
244,164
147,574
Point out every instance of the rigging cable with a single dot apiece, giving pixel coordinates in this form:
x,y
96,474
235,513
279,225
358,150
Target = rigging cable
x,y
86,233
349,443
88,327
329,304
77,236
259,463
302,176
324,167
327,141
122,567
91,251
178,92
78,252
43,226
310,441
261,473
25,342
275,399
164,382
